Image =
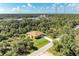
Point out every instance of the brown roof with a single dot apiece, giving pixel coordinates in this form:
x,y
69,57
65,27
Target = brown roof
x,y
35,33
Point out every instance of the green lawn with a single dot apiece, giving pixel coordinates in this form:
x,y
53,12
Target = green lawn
x,y
40,42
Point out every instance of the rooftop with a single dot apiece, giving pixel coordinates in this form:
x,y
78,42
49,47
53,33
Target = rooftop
x,y
35,34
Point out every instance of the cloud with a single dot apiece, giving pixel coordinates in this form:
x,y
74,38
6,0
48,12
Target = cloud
x,y
1,9
47,7
5,10
23,6
16,9
73,6
29,5
69,5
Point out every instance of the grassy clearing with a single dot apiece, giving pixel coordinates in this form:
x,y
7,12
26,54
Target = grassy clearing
x,y
40,42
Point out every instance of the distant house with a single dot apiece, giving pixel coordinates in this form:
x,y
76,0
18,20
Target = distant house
x,y
35,34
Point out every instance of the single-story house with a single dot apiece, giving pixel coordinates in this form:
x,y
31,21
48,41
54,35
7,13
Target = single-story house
x,y
35,34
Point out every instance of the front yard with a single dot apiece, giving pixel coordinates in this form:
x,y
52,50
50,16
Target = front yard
x,y
40,42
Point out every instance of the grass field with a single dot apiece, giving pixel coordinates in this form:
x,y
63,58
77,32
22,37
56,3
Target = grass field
x,y
40,42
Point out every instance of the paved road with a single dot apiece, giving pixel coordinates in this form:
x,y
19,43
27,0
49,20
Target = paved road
x,y
42,50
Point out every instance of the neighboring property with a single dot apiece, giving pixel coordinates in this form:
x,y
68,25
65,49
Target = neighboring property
x,y
35,34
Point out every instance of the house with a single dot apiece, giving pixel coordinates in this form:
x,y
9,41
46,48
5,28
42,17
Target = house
x,y
35,34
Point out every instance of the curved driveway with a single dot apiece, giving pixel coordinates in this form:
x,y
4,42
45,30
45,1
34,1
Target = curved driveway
x,y
43,49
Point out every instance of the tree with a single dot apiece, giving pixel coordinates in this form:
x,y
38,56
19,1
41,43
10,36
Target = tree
x,y
3,38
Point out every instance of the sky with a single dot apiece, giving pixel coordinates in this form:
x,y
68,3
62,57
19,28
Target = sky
x,y
30,8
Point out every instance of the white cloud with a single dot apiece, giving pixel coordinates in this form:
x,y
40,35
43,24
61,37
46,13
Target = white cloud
x,y
69,5
1,9
73,6
53,6
23,6
41,8
47,7
16,9
29,5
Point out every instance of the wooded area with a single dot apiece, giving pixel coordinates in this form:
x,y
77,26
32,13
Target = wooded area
x,y
13,40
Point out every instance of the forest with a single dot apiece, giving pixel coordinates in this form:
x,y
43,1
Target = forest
x,y
14,41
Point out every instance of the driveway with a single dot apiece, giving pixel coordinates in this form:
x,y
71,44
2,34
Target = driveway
x,y
44,48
